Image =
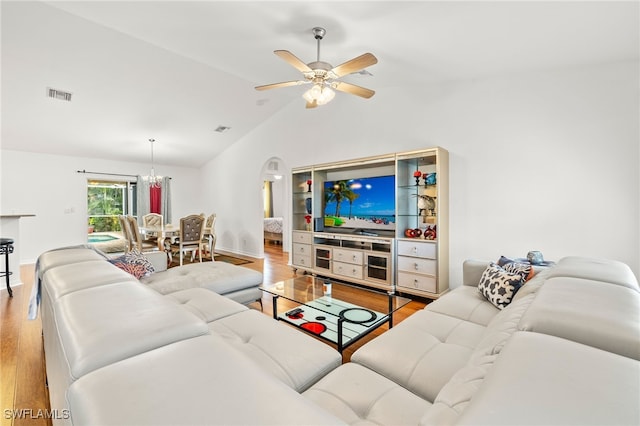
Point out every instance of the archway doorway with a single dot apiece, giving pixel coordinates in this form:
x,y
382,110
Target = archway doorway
x,y
273,196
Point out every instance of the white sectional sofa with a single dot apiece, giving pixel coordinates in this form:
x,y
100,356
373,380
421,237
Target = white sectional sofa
x,y
566,350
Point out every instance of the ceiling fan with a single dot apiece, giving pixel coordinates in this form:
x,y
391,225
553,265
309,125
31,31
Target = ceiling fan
x,y
324,76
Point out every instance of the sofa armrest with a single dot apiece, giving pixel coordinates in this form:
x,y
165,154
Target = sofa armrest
x,y
158,259
472,270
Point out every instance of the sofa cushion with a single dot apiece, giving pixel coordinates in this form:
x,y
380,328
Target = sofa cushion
x,y
135,263
425,345
65,279
465,303
544,380
65,256
199,381
598,314
605,270
220,277
360,396
499,286
102,325
456,394
286,353
207,305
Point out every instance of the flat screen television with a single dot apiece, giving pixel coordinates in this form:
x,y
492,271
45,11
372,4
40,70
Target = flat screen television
x,y
364,204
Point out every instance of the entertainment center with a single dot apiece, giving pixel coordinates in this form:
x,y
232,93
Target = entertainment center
x,y
381,221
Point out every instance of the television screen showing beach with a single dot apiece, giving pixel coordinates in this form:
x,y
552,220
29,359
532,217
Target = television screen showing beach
x,y
365,203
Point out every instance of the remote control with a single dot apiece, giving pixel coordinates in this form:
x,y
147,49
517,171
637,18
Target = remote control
x,y
294,312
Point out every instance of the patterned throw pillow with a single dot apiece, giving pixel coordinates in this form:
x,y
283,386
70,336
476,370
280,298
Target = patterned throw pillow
x,y
499,286
525,269
135,263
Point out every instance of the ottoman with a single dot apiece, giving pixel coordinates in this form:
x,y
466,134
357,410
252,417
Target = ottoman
x,y
283,352
235,282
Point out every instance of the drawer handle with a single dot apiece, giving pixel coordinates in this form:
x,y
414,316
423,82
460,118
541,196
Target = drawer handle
x,y
415,283
415,265
415,250
354,257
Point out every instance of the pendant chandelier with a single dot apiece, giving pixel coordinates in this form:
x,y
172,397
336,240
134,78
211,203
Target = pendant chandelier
x,y
154,181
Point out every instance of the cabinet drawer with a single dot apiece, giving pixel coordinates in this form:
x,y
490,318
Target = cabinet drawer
x,y
301,237
416,264
417,282
347,270
348,256
302,260
304,249
417,249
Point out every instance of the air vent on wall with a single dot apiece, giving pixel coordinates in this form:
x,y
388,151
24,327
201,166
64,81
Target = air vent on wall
x,y
58,94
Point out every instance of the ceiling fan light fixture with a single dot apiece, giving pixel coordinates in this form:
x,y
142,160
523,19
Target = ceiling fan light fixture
x,y
319,93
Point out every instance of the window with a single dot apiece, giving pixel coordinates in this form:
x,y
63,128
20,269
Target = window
x,y
106,200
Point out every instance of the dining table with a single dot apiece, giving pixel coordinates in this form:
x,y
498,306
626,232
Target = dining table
x,y
167,231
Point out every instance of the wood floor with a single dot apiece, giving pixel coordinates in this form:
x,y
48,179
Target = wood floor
x,y
23,395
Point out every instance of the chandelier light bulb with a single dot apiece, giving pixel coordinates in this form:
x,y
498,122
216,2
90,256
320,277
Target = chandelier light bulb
x,y
320,94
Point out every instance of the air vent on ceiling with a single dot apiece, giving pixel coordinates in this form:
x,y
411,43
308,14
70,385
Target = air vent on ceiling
x,y
222,129
58,94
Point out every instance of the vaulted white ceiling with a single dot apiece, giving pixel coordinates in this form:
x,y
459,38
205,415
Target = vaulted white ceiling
x,y
176,70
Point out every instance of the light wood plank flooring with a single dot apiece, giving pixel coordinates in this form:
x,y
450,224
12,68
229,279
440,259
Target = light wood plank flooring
x,y
22,373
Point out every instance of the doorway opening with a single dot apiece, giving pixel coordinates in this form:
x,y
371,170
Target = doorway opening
x,y
273,196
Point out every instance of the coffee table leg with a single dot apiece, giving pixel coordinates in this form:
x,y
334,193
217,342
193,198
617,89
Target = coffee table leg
x,y
340,334
390,310
274,301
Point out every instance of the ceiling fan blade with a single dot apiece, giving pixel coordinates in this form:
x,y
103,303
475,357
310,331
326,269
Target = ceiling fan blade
x,y
293,60
312,104
355,64
353,89
283,84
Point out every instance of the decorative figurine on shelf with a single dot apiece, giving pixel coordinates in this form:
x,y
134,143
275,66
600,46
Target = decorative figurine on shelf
x,y
309,185
429,179
430,233
426,205
307,204
307,219
417,174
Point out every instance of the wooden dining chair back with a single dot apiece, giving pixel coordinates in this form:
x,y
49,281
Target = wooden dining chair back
x,y
189,239
153,220
209,235
152,224
136,237
126,232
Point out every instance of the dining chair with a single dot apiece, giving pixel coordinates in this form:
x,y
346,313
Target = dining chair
x,y
189,238
126,232
136,237
209,236
152,222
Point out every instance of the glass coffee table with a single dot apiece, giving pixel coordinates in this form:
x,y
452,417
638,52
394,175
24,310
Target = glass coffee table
x,y
342,315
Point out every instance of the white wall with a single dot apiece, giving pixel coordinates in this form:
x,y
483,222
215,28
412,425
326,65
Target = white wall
x,y
48,185
539,161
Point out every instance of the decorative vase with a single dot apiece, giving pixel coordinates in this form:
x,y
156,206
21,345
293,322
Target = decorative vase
x,y
308,226
429,179
307,205
535,257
